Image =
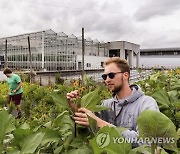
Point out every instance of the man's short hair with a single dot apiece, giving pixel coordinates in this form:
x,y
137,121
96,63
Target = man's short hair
x,y
7,71
122,64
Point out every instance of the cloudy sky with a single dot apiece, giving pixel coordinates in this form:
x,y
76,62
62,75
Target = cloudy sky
x,y
150,23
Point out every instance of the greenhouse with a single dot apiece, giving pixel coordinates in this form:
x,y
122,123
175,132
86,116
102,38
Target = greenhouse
x,y
48,50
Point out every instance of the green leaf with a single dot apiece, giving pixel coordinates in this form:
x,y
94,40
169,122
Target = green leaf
x,y
6,124
60,100
81,150
177,115
93,125
145,149
1,148
31,142
172,93
90,100
68,141
77,142
162,99
161,150
48,124
20,134
58,150
50,136
106,141
11,150
85,79
155,125
177,105
154,77
59,118
24,126
98,108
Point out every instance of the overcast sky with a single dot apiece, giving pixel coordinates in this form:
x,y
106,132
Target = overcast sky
x,y
150,23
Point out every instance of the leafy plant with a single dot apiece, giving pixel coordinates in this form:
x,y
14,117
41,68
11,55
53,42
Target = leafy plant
x,y
155,125
106,141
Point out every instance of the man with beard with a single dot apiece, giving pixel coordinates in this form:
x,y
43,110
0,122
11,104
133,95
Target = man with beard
x,y
126,104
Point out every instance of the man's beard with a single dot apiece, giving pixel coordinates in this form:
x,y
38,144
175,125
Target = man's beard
x,y
117,89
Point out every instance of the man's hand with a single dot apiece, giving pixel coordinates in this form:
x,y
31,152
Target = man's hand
x,y
81,118
72,95
14,91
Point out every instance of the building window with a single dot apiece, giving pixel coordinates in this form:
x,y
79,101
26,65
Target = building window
x,y
88,65
102,64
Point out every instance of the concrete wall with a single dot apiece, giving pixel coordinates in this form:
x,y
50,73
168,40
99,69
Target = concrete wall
x,y
44,80
94,61
2,76
160,60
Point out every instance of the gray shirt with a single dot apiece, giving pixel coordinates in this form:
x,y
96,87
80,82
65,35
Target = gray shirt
x,y
124,112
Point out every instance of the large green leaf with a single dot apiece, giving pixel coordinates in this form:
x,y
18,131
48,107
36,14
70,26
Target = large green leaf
x,y
90,100
6,124
50,136
98,108
92,124
155,125
108,140
31,142
162,99
20,134
59,118
60,100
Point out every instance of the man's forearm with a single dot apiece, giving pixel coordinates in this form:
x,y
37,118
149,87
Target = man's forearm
x,y
19,86
101,123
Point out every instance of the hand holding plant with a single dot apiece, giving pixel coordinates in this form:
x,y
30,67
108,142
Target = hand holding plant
x,y
73,100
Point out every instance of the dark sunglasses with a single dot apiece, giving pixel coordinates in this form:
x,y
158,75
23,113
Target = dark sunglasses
x,y
111,75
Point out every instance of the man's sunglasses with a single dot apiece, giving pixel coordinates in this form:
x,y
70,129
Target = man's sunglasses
x,y
111,75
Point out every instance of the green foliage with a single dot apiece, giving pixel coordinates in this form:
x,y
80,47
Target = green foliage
x,y
31,142
145,149
47,125
106,141
165,88
6,124
59,79
60,100
91,100
155,125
